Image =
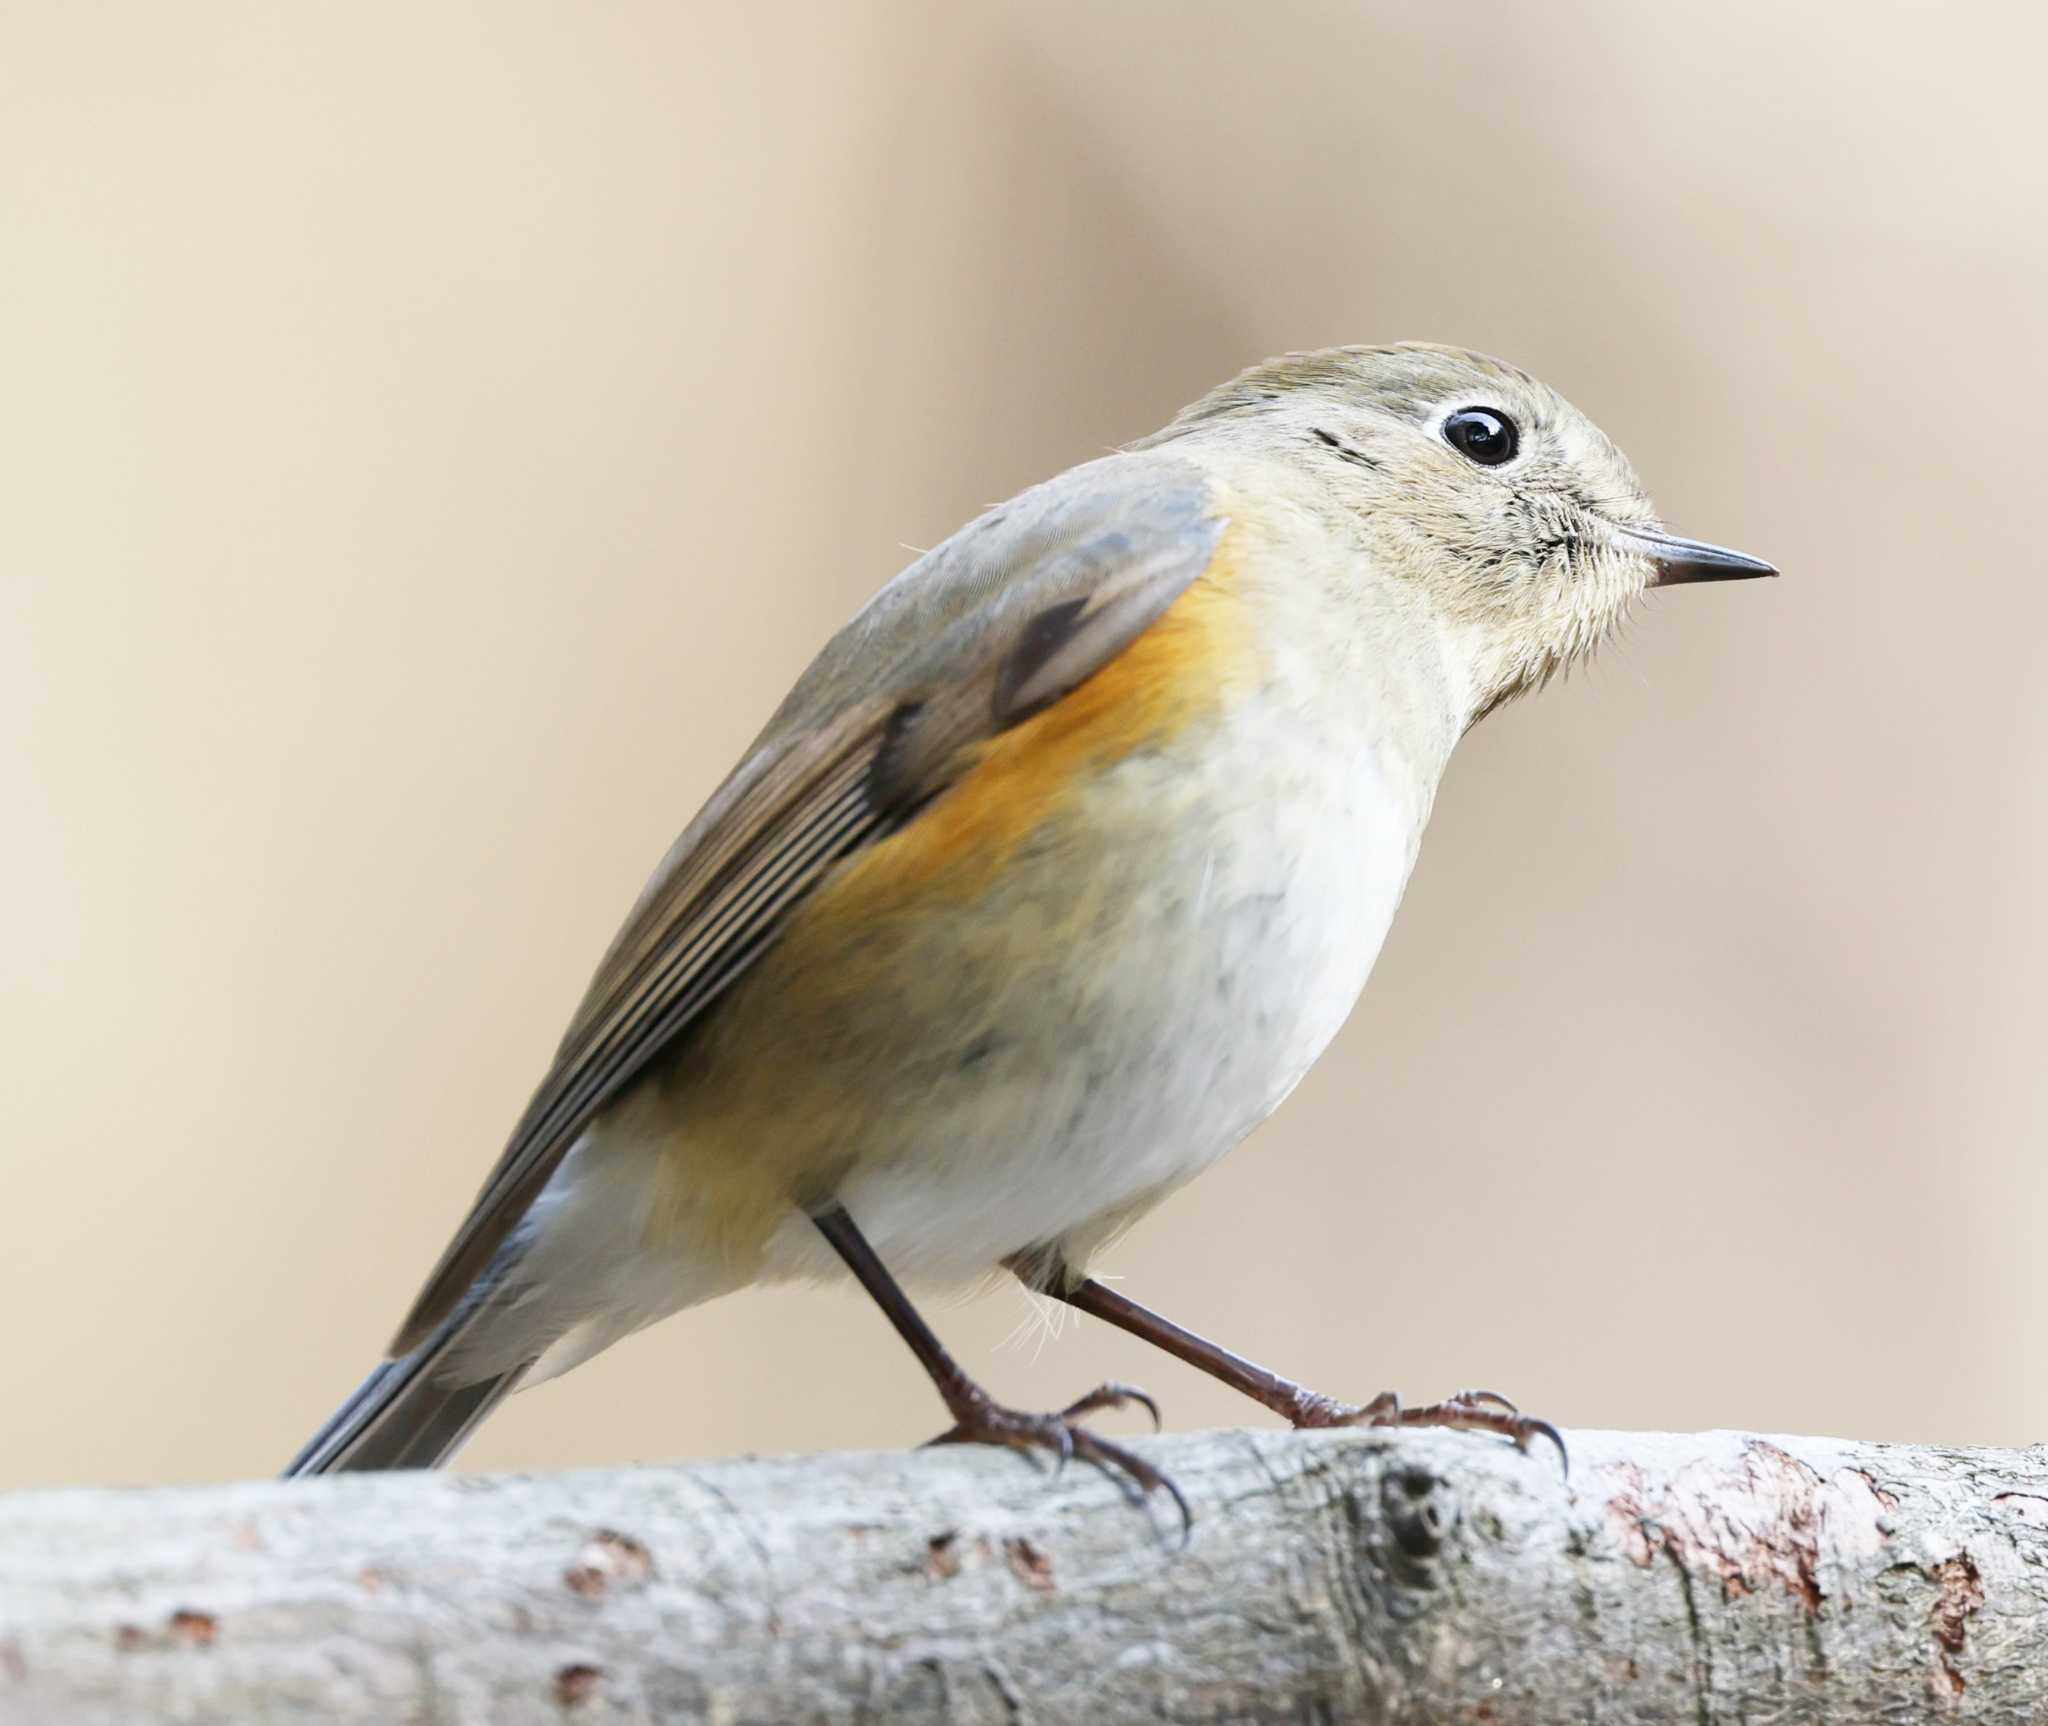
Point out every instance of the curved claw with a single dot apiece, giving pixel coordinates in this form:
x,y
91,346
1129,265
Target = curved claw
x,y
1180,1503
1062,1436
1485,1396
1533,1428
1114,1394
1141,1475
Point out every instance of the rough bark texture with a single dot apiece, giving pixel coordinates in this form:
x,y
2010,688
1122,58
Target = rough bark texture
x,y
1331,1577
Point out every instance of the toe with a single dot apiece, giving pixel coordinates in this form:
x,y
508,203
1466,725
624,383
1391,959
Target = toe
x,y
1110,1396
1143,1478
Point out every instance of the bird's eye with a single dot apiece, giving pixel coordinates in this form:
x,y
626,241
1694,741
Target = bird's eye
x,y
1481,435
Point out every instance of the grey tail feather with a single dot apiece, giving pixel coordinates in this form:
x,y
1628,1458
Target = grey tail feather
x,y
402,1416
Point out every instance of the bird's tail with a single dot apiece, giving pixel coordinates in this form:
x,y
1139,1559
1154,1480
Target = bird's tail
x,y
403,1415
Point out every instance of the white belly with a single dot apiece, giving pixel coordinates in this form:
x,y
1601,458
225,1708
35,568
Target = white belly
x,y
1227,934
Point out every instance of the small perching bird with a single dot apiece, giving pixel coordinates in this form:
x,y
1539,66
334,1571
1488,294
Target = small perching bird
x,y
1044,886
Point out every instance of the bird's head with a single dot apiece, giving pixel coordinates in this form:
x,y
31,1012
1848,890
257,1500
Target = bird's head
x,y
1519,518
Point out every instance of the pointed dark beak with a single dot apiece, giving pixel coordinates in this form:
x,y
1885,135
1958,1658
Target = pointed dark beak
x,y
1679,560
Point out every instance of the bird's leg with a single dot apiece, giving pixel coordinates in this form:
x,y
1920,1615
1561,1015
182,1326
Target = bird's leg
x,y
977,1417
1472,1410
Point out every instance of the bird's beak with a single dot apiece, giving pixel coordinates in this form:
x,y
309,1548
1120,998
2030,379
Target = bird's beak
x,y
1678,560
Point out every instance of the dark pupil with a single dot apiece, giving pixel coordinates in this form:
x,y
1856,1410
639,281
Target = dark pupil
x,y
1481,435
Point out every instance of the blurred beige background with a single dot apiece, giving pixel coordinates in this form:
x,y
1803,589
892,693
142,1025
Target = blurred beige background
x,y
431,439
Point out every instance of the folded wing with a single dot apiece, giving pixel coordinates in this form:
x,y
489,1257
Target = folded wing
x,y
1008,616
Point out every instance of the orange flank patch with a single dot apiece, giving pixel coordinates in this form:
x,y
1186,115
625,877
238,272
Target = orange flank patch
x,y
1197,656
861,984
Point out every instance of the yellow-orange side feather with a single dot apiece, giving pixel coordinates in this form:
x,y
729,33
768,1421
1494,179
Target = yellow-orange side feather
x,y
750,1132
1196,656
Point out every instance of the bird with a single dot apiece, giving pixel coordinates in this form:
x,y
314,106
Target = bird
x,y
1055,872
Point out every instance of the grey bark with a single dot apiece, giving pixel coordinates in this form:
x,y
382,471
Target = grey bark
x,y
1355,1576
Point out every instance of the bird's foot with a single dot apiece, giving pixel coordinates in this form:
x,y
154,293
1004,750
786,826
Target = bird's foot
x,y
978,1420
1464,1410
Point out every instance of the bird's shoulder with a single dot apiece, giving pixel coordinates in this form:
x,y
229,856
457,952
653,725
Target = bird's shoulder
x,y
1049,544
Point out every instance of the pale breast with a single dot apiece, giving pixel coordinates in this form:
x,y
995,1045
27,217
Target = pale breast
x,y
1153,973
1080,975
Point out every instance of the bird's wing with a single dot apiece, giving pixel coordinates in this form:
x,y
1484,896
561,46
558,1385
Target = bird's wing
x,y
1005,618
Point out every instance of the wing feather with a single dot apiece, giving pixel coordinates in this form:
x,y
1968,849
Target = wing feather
x,y
724,909
1014,612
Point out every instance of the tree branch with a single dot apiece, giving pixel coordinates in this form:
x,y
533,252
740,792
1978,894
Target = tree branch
x,y
1355,1576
